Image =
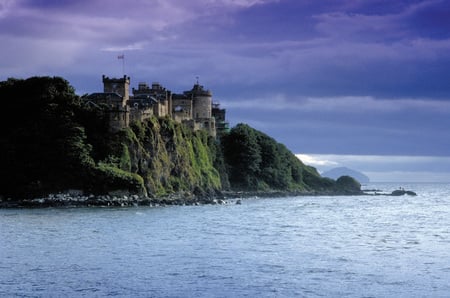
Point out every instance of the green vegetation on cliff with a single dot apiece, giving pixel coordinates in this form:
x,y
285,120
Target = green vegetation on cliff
x,y
55,142
256,162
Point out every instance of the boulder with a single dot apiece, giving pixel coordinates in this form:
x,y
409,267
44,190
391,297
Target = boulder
x,y
402,192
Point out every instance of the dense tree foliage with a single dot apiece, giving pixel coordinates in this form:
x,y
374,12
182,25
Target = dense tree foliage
x,y
43,146
243,156
256,161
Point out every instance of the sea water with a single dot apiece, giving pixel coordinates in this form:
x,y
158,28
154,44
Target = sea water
x,y
345,246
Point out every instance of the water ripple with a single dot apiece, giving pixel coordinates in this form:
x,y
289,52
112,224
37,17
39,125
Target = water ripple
x,y
297,246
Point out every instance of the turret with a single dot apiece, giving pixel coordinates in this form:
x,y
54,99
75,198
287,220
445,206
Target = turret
x,y
120,86
202,101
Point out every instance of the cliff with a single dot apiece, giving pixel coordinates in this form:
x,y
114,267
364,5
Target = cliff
x,y
56,142
257,162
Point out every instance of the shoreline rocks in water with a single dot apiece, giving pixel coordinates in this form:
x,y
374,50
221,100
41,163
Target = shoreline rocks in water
x,y
70,200
122,199
395,193
402,192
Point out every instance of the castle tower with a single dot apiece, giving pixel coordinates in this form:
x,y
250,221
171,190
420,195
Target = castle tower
x,y
120,86
202,108
202,101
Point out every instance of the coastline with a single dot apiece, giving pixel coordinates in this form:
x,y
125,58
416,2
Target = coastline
x,y
175,199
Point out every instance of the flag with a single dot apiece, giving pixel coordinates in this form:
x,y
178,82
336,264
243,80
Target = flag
x,y
121,56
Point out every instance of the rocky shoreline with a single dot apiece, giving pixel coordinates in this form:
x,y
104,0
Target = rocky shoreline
x,y
176,199
133,200
68,200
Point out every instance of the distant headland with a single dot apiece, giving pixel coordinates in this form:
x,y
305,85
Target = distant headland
x,y
344,171
149,147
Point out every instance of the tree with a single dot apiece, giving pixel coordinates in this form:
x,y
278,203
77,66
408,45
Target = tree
x,y
43,147
242,155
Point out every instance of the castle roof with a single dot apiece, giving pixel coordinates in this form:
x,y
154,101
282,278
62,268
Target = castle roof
x,y
142,100
198,89
112,96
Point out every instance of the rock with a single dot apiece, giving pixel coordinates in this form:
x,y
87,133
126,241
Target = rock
x,y
402,192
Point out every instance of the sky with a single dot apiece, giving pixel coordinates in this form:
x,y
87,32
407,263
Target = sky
x,y
357,83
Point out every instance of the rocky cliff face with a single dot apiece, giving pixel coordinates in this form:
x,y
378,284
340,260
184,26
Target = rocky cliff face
x,y
168,156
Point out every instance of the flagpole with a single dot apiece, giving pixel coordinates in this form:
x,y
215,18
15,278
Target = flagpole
x,y
122,57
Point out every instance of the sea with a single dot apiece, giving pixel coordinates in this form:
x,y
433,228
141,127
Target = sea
x,y
306,246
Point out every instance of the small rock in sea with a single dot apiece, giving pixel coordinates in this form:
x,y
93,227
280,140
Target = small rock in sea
x,y
238,202
401,192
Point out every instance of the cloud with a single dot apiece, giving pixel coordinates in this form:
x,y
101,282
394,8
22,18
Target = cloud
x,y
313,160
6,6
193,31
168,26
341,104
364,20
240,3
116,14
131,47
407,176
373,161
46,55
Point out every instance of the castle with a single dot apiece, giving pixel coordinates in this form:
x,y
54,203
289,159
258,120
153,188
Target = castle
x,y
193,108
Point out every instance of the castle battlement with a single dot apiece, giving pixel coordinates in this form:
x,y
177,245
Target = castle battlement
x,y
194,107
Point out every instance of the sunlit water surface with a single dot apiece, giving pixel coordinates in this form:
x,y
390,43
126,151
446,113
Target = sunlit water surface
x,y
365,246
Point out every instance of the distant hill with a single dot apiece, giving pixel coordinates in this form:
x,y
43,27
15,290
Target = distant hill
x,y
343,171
